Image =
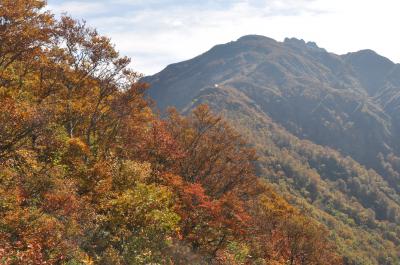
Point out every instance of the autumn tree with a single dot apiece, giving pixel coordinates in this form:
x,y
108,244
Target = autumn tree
x,y
90,175
215,155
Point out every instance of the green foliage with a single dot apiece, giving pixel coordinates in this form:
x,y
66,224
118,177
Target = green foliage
x,y
89,175
140,221
325,126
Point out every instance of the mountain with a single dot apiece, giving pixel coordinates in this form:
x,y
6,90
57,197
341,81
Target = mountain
x,y
326,128
90,175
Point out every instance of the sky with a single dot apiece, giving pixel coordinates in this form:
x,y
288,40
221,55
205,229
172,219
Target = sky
x,y
157,33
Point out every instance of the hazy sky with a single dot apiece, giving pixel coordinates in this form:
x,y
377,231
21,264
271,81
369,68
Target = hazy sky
x,y
157,33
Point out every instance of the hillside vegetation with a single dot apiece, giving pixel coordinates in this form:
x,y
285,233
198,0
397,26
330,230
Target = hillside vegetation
x,y
90,175
325,127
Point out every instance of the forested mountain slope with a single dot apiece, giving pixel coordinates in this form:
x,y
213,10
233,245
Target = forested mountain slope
x,y
90,175
330,99
325,127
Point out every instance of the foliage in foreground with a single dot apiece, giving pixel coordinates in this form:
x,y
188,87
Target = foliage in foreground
x,y
89,175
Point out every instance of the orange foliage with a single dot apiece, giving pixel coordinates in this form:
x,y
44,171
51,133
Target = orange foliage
x,y
88,174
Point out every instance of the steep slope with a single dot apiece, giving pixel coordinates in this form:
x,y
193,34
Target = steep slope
x,y
89,175
314,94
370,68
279,93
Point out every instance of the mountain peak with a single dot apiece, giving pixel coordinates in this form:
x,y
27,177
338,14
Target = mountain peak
x,y
294,41
301,44
255,38
368,56
370,67
277,92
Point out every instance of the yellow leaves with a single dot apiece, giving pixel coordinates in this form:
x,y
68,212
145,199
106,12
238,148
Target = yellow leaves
x,y
29,158
239,251
83,159
275,205
76,147
117,176
140,219
9,199
110,256
144,204
132,172
87,260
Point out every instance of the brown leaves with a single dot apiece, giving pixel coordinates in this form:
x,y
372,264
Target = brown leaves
x,y
89,174
23,29
215,155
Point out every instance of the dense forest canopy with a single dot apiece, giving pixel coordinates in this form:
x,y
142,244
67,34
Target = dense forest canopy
x,y
90,175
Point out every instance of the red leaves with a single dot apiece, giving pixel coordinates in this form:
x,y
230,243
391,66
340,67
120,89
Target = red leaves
x,y
215,155
206,222
20,253
63,204
90,173
161,149
36,238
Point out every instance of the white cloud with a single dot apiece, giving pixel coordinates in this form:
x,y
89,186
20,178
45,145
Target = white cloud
x,y
78,8
157,33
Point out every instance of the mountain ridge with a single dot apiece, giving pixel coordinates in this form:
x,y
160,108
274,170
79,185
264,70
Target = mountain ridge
x,y
287,70
325,126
